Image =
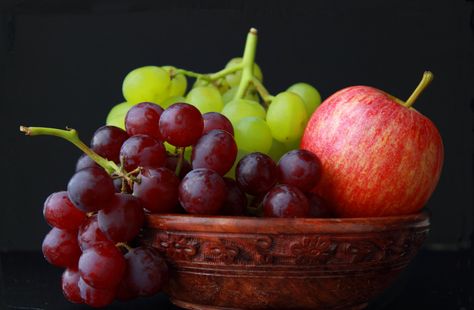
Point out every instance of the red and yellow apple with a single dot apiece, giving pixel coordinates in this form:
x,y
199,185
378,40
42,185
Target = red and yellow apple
x,y
380,157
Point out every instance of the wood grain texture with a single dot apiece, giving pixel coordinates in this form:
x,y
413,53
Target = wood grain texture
x,y
255,263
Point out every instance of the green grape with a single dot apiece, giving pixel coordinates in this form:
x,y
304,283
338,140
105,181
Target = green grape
x,y
148,83
252,134
309,94
230,94
240,108
287,117
178,83
240,154
277,150
206,99
169,101
234,78
116,116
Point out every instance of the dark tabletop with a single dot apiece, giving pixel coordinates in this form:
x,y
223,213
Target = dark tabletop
x,y
434,280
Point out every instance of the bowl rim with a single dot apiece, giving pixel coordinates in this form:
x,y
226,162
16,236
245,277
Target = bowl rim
x,y
235,224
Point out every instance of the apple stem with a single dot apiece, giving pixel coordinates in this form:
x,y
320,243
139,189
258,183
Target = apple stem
x,y
425,81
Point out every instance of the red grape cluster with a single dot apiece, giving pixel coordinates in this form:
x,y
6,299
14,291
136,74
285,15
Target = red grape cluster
x,y
101,214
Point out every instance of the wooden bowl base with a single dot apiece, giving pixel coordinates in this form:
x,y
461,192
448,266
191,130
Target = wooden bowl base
x,y
192,306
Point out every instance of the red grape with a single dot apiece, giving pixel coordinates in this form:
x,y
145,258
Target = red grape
x,y
285,201
95,297
107,141
256,173
157,190
144,118
122,219
318,207
142,151
299,168
90,189
90,234
235,202
102,266
215,150
214,120
60,247
172,162
85,162
59,212
146,272
181,124
69,284
202,191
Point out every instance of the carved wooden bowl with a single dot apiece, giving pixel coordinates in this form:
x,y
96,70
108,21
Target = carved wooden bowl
x,y
269,263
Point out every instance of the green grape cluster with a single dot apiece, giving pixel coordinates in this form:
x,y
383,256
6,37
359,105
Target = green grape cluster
x,y
262,123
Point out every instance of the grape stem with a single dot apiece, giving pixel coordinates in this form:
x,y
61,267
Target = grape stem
x,y
72,136
246,66
212,76
123,245
262,91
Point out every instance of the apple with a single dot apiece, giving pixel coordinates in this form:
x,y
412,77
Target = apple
x,y
379,156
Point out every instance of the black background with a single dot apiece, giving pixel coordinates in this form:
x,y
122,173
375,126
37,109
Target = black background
x,y
62,64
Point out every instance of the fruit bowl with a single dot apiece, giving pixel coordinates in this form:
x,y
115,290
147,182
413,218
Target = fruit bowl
x,y
222,262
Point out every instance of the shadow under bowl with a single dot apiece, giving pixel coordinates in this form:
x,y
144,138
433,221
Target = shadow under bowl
x,y
219,262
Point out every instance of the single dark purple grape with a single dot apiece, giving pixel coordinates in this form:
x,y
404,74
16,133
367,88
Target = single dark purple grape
x,y
235,202
300,168
215,120
144,119
107,141
102,266
157,190
122,219
181,124
90,189
60,212
60,248
318,207
85,162
256,173
146,272
285,201
142,151
202,191
215,150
